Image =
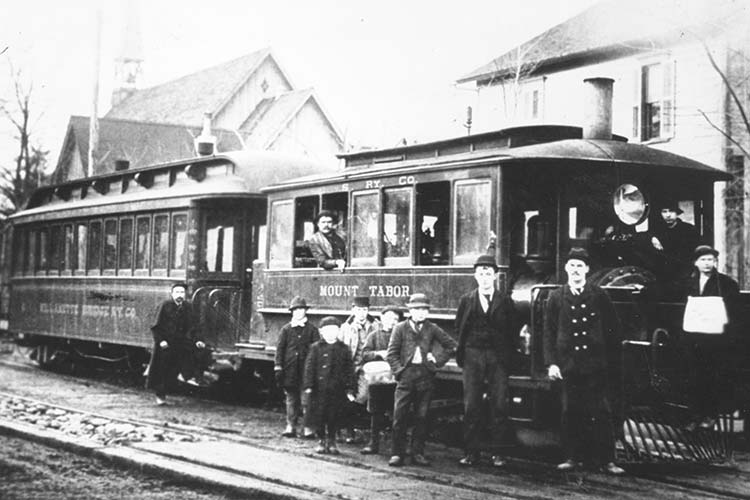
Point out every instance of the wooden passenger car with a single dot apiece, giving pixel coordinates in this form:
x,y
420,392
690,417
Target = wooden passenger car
x,y
92,258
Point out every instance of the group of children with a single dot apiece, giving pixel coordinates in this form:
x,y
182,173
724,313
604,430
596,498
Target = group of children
x,y
324,370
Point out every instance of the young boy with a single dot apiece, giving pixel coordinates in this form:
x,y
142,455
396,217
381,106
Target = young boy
x,y
295,340
329,382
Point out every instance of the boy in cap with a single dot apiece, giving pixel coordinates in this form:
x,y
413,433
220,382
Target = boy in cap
x,y
379,393
295,340
709,356
329,383
486,342
581,341
414,358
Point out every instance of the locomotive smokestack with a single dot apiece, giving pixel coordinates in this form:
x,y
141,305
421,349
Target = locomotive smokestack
x,y
597,108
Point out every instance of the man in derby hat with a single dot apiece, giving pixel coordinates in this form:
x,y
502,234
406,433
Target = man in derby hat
x,y
354,332
327,247
709,358
581,349
486,341
414,356
379,392
674,237
295,339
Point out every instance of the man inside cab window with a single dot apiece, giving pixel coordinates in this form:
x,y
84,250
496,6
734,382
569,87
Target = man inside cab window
x,y
327,247
675,238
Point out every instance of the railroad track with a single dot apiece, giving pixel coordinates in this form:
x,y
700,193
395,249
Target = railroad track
x,y
160,438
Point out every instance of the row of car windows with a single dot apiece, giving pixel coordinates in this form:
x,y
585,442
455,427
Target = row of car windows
x,y
430,223
144,244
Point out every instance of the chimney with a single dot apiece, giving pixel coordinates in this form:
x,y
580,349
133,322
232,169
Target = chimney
x,y
205,144
597,108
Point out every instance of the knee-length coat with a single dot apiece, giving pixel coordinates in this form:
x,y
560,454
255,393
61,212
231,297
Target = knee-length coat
x,y
329,372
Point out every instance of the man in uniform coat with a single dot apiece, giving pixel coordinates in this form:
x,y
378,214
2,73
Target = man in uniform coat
x,y
295,339
486,340
415,352
174,343
581,345
711,358
327,247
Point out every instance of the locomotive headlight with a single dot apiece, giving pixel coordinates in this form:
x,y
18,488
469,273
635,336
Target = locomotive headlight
x,y
630,204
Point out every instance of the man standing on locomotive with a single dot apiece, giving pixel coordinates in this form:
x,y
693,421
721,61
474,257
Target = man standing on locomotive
x,y
416,350
581,342
327,247
174,343
711,355
486,340
675,238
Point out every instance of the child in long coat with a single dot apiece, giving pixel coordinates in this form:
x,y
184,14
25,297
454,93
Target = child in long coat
x,y
329,381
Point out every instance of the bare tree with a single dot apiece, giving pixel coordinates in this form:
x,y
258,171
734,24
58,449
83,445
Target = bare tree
x,y
18,181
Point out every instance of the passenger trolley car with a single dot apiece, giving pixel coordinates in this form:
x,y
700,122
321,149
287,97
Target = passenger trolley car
x,y
92,258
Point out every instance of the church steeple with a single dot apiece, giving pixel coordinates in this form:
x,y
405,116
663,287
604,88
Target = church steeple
x,y
130,56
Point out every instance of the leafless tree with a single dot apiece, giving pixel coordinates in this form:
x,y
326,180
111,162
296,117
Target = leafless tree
x,y
19,179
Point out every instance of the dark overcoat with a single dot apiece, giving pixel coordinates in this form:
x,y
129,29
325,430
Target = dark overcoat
x,y
501,320
581,332
329,372
292,350
678,241
175,324
405,340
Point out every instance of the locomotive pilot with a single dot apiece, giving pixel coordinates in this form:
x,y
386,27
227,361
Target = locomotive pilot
x,y
174,343
484,322
581,342
416,350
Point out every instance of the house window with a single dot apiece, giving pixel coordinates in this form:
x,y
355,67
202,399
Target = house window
x,y
653,112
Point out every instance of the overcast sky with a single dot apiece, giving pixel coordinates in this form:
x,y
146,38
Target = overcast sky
x,y
384,70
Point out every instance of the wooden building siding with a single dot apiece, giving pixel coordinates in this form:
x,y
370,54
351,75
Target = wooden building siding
x,y
308,133
242,102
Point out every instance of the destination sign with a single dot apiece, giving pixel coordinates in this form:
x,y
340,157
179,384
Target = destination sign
x,y
371,290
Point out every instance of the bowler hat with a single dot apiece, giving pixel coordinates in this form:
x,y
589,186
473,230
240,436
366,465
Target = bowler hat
x,y
702,250
578,253
417,301
298,302
361,301
394,309
329,321
671,205
326,213
486,261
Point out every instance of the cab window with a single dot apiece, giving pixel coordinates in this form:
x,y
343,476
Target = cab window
x,y
365,221
179,244
433,212
472,216
281,234
397,226
306,208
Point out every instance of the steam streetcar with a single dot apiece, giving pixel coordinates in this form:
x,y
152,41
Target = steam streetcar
x,y
93,257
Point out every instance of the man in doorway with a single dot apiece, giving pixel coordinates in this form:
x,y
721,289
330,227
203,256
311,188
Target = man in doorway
x,y
581,348
327,247
174,343
486,341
